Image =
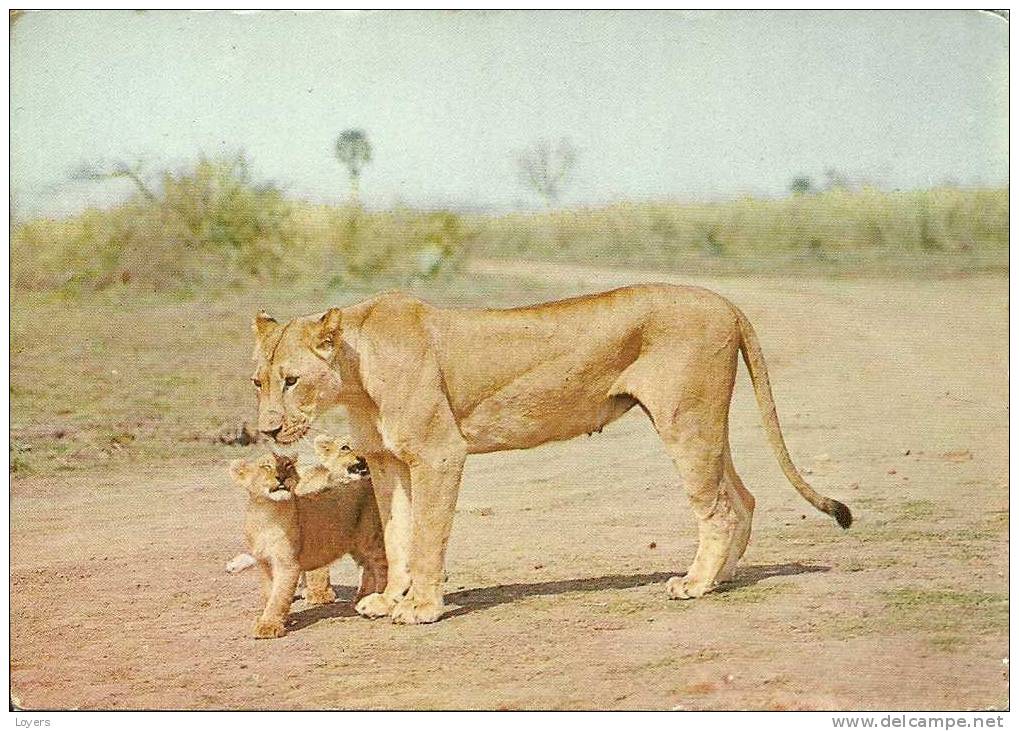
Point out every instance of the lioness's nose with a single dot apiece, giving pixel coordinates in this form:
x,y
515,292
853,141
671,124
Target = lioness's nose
x,y
272,432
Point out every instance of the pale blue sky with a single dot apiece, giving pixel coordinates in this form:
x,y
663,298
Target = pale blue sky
x,y
659,104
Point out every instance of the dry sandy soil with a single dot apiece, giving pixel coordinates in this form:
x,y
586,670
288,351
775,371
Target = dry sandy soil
x,y
893,396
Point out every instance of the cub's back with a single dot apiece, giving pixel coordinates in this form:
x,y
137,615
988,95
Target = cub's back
x,y
328,520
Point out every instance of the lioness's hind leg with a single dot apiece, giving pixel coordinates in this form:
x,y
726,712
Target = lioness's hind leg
x,y
369,553
687,397
743,506
717,522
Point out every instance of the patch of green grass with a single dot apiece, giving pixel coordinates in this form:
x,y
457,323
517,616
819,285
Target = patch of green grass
x,y
907,599
940,613
943,618
961,542
921,510
846,626
997,520
947,643
869,502
870,564
753,593
625,605
679,659
20,461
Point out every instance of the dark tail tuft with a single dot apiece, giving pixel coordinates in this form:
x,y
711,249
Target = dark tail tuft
x,y
841,514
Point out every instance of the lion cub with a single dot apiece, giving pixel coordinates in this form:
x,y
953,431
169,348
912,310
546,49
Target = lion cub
x,y
301,522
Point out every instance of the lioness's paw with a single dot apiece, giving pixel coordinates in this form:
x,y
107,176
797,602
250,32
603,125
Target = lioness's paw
x,y
682,587
314,597
268,630
374,605
417,611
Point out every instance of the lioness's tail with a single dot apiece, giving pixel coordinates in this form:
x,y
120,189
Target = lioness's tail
x,y
754,359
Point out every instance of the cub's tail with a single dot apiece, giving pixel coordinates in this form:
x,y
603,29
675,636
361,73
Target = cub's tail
x,y
754,359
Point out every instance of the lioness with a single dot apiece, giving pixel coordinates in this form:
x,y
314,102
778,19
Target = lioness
x,y
289,530
426,386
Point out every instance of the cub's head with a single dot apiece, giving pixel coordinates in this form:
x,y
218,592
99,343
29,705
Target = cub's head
x,y
336,456
270,477
294,373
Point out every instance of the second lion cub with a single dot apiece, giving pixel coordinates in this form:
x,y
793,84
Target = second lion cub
x,y
302,523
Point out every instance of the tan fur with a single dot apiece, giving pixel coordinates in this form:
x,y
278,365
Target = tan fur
x,y
289,530
337,463
425,387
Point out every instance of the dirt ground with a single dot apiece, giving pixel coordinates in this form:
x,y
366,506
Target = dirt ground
x,y
892,394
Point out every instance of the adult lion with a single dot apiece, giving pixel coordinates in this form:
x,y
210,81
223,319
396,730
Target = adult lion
x,y
426,386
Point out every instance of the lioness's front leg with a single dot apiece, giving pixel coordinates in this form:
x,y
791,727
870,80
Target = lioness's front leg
x,y
391,482
373,575
318,589
284,583
435,484
369,552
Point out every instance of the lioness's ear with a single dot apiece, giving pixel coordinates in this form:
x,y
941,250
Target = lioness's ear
x,y
264,324
328,332
240,471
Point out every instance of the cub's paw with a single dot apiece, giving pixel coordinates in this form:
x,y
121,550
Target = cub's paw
x,y
683,587
314,597
268,630
410,610
239,563
374,605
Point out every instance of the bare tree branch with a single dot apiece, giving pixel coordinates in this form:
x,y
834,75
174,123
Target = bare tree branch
x,y
99,170
547,170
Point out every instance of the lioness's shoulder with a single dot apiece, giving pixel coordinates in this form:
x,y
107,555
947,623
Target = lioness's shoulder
x,y
396,309
394,298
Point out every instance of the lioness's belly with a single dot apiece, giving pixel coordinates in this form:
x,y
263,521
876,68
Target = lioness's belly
x,y
543,407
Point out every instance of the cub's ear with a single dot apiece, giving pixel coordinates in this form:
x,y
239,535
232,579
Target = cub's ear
x,y
327,331
240,471
264,324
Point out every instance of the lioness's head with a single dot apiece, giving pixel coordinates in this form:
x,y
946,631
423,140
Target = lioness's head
x,y
293,372
271,476
336,456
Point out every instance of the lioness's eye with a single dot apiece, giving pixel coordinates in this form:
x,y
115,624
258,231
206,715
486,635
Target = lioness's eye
x,y
344,448
290,381
258,383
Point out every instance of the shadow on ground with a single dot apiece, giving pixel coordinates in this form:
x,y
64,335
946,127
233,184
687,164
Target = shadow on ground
x,y
750,575
473,600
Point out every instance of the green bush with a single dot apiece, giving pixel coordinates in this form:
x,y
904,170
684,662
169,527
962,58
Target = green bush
x,y
207,224
350,245
895,230
212,226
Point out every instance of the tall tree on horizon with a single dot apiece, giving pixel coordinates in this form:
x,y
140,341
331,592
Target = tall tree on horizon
x,y
354,151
